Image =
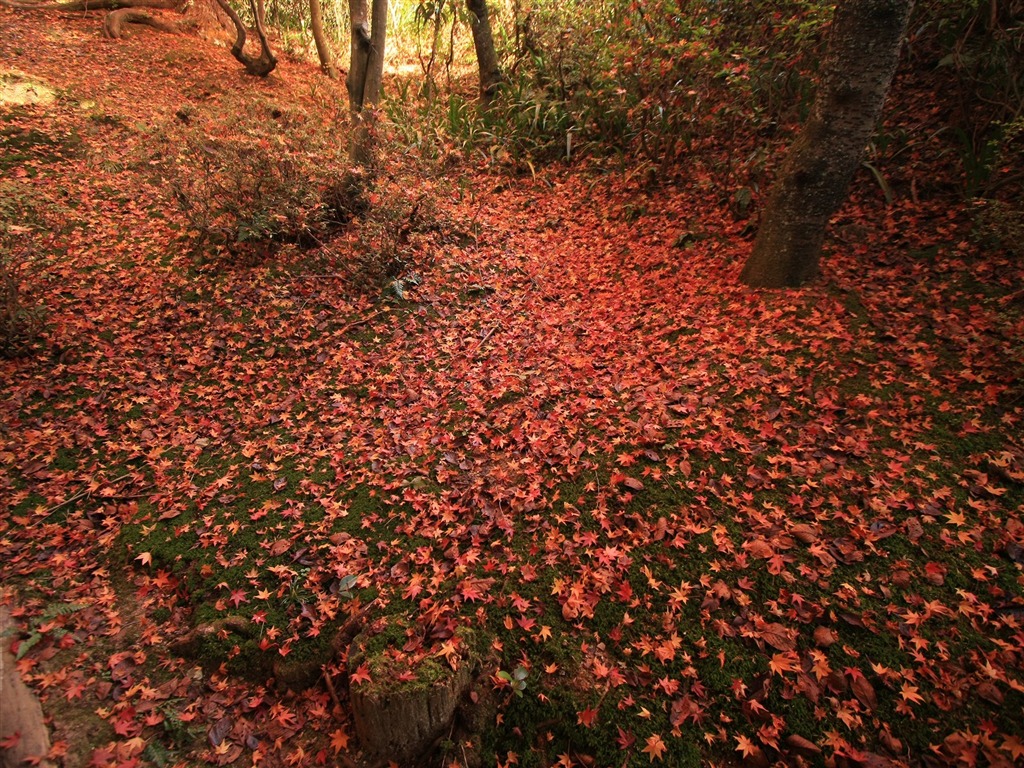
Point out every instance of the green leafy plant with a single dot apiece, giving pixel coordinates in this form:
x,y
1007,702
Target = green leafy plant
x,y
516,679
47,623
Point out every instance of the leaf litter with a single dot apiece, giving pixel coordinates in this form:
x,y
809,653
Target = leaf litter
x,y
692,521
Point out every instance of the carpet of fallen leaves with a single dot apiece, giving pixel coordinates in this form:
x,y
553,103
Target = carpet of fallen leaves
x,y
686,521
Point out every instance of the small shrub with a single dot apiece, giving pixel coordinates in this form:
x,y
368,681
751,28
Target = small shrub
x,y
999,213
23,251
1001,223
21,319
648,82
249,184
381,238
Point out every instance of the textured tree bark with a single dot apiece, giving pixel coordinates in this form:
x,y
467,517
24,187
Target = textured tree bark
x,y
359,13
398,721
401,724
366,75
323,50
483,42
863,49
265,63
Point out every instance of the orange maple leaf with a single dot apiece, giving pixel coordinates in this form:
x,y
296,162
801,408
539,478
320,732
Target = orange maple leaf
x,y
339,741
655,747
1014,746
746,746
787,661
909,693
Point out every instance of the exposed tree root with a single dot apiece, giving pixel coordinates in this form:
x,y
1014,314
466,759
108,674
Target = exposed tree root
x,y
215,11
113,22
92,5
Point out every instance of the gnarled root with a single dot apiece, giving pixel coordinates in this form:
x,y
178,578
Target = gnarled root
x,y
113,23
90,5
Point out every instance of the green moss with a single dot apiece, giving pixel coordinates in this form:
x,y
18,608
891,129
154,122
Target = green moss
x,y
381,653
161,614
26,147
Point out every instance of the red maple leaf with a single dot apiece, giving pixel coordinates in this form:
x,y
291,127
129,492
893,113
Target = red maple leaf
x,y
339,740
587,717
361,675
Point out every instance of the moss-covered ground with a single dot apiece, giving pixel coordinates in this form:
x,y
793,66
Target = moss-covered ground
x,y
666,518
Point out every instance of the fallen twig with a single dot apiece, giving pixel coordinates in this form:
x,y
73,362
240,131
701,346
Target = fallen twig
x,y
85,494
331,689
364,321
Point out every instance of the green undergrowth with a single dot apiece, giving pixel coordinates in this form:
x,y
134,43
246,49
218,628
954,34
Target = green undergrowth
x,y
25,148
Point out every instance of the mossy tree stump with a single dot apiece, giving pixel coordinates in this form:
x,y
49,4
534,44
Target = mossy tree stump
x,y
398,718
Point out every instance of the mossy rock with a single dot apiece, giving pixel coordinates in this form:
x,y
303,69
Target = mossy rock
x,y
400,719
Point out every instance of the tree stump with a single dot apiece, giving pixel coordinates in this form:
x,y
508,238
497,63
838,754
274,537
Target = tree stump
x,y
401,721
20,711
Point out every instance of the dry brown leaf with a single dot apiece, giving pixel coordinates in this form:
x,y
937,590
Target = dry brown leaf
x,y
779,637
864,691
825,636
802,746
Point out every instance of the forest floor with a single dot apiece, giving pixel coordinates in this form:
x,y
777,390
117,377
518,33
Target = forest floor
x,y
665,518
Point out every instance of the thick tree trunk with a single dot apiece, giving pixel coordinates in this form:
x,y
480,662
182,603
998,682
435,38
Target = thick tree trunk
x,y
486,56
863,49
262,65
323,50
359,14
366,75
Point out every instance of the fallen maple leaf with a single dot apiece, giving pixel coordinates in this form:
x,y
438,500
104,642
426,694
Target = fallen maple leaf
x,y
908,692
102,757
587,717
361,675
1014,746
655,747
625,739
339,740
746,746
787,661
